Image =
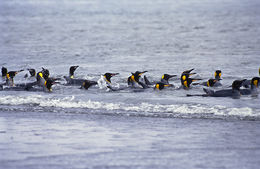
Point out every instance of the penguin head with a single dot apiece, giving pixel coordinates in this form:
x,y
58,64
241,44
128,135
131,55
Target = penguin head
x,y
211,82
187,71
135,76
32,72
167,76
255,82
217,74
72,70
45,73
48,83
161,86
4,71
237,84
108,76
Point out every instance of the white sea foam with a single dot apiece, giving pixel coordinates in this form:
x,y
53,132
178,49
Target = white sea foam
x,y
147,109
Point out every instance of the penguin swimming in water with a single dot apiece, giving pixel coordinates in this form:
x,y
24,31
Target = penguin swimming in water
x,y
134,80
214,82
160,85
32,73
70,79
234,92
186,81
165,78
105,81
87,84
254,87
10,77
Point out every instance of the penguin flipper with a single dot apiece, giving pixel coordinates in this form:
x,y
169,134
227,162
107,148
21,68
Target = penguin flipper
x,y
147,82
208,91
143,85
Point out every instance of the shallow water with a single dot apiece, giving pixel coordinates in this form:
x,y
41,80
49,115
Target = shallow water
x,y
159,36
123,37
68,140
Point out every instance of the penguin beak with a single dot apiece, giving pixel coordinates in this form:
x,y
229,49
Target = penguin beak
x,y
142,73
172,76
194,80
191,74
114,74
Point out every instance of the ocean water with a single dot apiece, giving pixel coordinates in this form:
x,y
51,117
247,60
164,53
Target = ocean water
x,y
159,36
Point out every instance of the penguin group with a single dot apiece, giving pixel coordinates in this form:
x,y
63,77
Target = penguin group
x,y
41,81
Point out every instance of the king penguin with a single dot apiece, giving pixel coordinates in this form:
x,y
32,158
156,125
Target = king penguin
x,y
254,87
71,80
186,81
234,92
134,80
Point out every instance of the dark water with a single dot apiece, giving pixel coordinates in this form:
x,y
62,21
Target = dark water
x,y
125,129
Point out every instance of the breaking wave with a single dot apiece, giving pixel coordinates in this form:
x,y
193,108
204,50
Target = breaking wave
x,y
71,105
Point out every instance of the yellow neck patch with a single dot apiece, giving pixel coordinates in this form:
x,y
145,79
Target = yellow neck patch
x,y
133,78
255,82
45,83
157,86
7,75
71,76
208,83
41,75
106,79
162,76
185,84
183,77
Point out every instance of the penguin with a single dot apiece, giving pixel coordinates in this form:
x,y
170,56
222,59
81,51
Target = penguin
x,y
105,80
48,84
186,81
72,70
254,87
10,77
161,85
165,78
87,83
70,79
214,82
218,75
234,92
32,73
135,79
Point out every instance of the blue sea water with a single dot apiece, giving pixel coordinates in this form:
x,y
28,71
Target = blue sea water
x,y
159,36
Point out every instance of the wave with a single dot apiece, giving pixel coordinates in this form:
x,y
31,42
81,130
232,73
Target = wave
x,y
70,104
